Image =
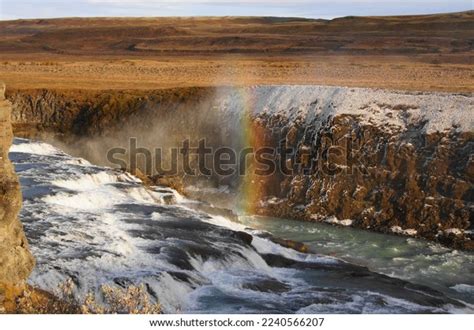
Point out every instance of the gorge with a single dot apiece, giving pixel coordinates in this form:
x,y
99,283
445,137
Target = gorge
x,y
410,174
237,164
389,161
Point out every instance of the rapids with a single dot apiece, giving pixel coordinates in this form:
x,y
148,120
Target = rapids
x,y
96,226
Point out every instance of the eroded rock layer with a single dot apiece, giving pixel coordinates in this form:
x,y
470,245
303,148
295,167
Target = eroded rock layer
x,y
16,262
388,161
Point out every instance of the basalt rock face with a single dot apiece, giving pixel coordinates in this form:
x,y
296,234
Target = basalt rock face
x,y
16,262
394,162
387,161
86,113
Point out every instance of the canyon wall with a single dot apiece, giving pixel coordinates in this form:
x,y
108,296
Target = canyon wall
x,y
394,162
16,262
387,161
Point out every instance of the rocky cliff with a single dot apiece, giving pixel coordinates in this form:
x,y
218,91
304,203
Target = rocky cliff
x,y
395,162
387,161
16,262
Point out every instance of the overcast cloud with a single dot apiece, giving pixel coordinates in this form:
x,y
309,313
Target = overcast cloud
x,y
12,9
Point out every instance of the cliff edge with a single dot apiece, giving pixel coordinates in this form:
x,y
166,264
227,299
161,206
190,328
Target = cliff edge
x,y
16,261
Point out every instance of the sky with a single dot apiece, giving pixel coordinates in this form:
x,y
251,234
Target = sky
x,y
13,9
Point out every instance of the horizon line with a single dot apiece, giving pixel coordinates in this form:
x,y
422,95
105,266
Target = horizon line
x,y
234,16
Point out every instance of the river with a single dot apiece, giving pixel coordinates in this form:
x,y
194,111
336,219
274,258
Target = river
x,y
97,226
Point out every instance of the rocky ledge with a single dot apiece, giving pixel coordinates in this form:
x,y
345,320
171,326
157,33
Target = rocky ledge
x,y
16,262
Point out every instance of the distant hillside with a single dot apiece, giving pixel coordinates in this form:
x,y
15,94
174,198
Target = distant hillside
x,y
443,34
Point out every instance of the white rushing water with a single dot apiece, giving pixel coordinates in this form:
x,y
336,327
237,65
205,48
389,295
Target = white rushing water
x,y
98,226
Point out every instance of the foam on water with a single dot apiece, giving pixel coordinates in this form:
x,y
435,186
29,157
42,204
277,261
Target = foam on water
x,y
37,148
98,226
464,288
87,182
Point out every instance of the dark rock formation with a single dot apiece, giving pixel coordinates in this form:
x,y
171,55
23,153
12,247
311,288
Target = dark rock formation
x,y
396,182
387,161
16,262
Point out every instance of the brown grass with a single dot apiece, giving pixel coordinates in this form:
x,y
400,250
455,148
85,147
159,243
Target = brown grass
x,y
431,52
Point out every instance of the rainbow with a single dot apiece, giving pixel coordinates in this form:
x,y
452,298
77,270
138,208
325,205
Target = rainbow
x,y
253,187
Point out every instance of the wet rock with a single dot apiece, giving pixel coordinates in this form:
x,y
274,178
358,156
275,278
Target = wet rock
x,y
214,210
140,175
267,285
290,244
297,246
169,199
243,236
173,182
